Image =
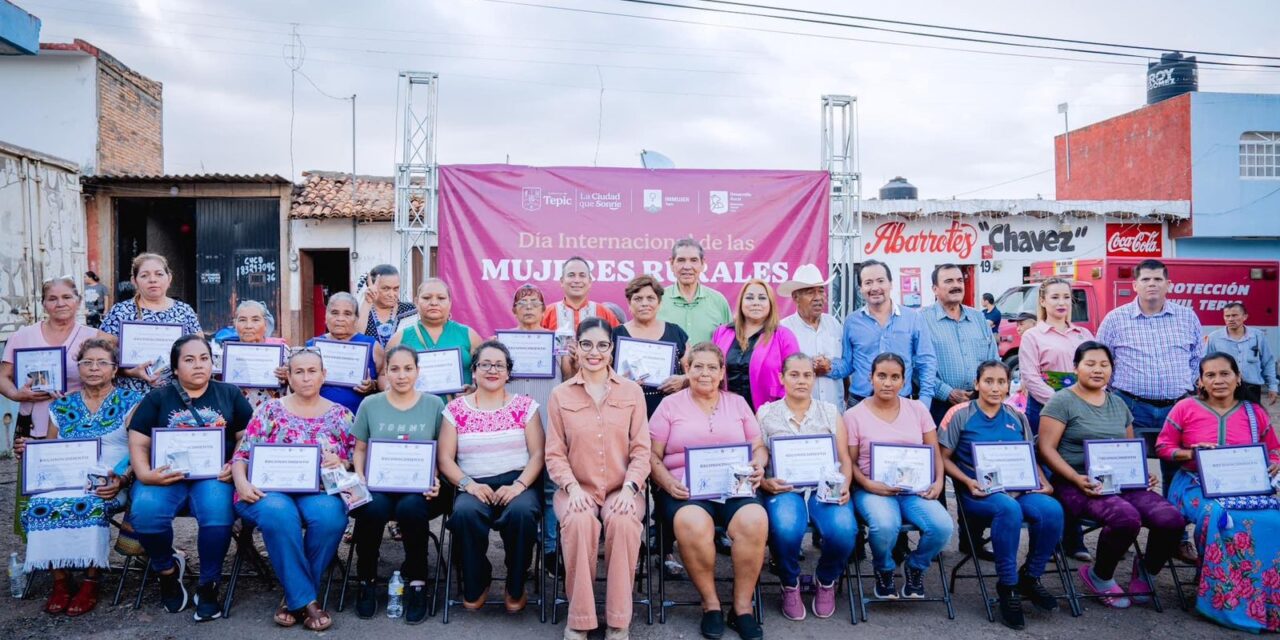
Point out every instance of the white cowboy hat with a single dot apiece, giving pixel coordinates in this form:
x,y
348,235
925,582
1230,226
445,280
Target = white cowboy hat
x,y
805,277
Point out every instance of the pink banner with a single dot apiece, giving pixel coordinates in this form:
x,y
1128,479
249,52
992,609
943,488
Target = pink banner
x,y
502,226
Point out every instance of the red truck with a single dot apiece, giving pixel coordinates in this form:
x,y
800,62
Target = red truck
x,y
1102,284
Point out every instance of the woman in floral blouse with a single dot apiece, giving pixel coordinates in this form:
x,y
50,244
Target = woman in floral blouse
x,y
299,560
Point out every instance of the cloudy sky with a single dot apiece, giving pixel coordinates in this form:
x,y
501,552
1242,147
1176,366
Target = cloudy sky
x,y
521,81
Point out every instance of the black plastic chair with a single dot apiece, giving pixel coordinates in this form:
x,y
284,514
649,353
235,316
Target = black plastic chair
x,y
346,572
538,578
865,600
644,574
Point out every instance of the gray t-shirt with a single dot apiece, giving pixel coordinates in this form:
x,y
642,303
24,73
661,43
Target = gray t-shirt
x,y
377,419
1086,422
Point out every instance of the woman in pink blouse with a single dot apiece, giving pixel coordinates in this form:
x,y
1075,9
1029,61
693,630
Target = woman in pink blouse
x,y
1050,346
299,559
755,346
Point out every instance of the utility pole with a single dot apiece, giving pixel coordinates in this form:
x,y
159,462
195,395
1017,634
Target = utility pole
x,y
1066,134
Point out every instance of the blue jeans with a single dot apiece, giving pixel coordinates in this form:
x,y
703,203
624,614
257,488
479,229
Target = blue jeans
x,y
550,522
789,519
884,516
1005,514
299,559
1033,414
154,507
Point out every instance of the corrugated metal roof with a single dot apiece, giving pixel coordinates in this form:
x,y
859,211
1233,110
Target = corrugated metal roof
x,y
257,178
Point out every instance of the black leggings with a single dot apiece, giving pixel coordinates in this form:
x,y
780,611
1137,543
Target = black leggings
x,y
414,513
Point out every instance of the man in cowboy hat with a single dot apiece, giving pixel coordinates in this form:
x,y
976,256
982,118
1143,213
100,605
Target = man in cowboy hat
x,y
819,333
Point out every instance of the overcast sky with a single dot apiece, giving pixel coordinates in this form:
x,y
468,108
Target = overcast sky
x,y
523,82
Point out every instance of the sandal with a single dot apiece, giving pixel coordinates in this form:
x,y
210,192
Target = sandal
x,y
393,528
86,598
284,617
316,619
60,597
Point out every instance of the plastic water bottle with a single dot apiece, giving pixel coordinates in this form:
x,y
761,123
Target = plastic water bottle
x,y
17,577
395,593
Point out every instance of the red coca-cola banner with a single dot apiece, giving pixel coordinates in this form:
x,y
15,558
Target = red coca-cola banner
x,y
1135,240
504,225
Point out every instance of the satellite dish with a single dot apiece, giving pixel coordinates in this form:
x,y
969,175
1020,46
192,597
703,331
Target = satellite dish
x,y
655,160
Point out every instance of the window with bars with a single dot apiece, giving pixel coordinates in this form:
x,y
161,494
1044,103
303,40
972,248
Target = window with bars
x,y
1260,154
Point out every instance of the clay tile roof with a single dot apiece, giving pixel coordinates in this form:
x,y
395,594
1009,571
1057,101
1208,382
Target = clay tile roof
x,y
327,194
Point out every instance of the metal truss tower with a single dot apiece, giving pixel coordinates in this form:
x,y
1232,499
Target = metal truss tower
x,y
416,221
840,159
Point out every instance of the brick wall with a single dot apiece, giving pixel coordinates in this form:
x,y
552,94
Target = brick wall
x,y
130,120
1141,155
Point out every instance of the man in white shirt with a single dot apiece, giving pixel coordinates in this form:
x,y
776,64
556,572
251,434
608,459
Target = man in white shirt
x,y
818,332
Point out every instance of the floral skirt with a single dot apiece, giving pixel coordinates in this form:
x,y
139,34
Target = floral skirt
x,y
69,529
1240,575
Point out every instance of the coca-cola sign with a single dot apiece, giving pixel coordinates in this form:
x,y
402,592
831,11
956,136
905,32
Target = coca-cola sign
x,y
1135,240
958,239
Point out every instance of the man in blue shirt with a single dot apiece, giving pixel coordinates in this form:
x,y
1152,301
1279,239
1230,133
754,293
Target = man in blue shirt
x,y
883,326
991,313
961,339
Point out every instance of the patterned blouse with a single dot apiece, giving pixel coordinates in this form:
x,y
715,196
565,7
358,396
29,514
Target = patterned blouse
x,y
492,442
128,311
272,423
73,420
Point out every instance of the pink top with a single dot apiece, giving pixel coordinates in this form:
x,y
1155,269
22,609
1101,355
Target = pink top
x,y
1192,422
1048,348
679,423
865,428
31,337
766,362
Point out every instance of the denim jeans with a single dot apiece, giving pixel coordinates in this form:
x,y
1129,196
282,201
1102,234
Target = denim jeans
x,y
1148,421
789,518
1006,514
299,559
884,516
155,507
550,521
1033,414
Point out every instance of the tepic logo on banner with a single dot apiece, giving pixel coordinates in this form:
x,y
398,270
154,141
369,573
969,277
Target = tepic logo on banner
x,y
531,198
718,202
1135,240
653,200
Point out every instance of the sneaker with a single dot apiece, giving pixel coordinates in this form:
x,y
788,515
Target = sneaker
x,y
824,601
914,587
367,599
1139,584
1031,589
173,595
1010,607
415,604
1082,555
886,588
208,607
712,624
792,605
746,626
1109,597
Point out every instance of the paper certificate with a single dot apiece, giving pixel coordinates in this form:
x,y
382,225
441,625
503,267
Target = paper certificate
x,y
346,364
709,471
440,371
401,466
1126,460
44,369
51,465
801,460
906,466
1234,471
144,342
532,352
647,362
1014,462
251,364
199,453
287,468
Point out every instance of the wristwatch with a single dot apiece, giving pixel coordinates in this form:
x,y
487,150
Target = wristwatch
x,y
462,484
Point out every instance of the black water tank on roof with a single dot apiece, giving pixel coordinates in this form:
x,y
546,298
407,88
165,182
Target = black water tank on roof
x,y
1174,75
899,189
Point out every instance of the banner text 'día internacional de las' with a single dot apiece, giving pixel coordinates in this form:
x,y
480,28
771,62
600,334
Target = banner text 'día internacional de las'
x,y
502,226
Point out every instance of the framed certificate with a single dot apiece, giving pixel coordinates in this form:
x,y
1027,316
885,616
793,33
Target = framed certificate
x,y
801,460
144,342
533,352
400,466
199,453
346,364
440,371
1013,462
1234,471
251,365
709,471
906,466
52,465
647,362
1125,460
45,369
286,468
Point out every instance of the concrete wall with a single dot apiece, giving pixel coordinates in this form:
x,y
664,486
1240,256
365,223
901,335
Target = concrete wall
x,y
1225,205
50,105
1142,155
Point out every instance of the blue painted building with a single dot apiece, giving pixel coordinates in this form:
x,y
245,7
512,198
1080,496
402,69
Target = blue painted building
x,y
19,31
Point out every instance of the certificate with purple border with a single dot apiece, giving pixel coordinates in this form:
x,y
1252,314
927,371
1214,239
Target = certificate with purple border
x,y
53,465
1126,457
647,362
143,342
252,365
532,352
44,368
400,466
1234,471
285,468
440,371
708,471
906,466
1016,462
346,364
801,460
202,451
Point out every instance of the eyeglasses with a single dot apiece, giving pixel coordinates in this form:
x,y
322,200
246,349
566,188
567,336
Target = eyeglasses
x,y
496,367
603,346
96,364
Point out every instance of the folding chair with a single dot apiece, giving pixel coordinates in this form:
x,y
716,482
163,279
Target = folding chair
x,y
866,600
1090,526
538,578
644,574
124,571
756,607
351,552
